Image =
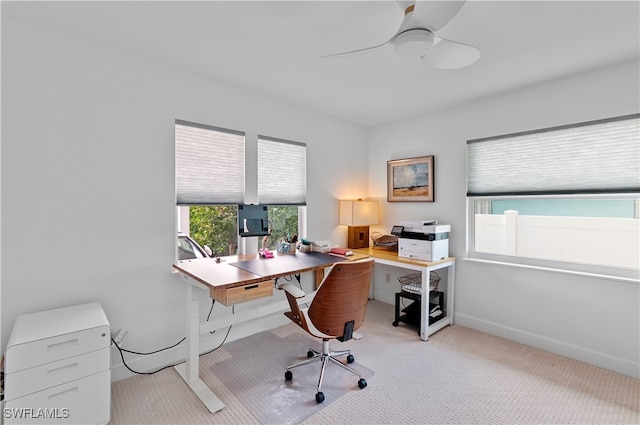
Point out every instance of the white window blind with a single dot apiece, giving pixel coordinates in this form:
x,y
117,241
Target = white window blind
x,y
209,164
282,172
594,157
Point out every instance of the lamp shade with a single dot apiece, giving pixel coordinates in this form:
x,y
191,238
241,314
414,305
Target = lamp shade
x,y
358,213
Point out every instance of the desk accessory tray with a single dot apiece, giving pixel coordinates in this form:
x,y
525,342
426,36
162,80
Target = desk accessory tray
x,y
413,282
384,242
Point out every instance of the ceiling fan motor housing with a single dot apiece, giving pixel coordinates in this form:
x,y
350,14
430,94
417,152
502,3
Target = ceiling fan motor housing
x,y
414,42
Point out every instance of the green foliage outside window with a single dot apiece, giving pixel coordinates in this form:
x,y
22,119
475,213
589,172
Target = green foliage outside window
x,y
284,223
217,226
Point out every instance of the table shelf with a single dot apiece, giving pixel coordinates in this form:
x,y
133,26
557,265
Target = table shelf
x,y
411,312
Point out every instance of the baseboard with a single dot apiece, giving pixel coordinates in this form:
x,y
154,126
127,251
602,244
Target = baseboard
x,y
605,361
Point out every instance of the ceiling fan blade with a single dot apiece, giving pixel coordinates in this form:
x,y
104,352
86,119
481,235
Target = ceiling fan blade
x,y
434,15
447,54
358,51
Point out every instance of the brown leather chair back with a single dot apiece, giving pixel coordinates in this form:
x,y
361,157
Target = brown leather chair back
x,y
342,297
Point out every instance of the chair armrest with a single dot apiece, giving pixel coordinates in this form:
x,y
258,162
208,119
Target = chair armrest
x,y
293,294
293,290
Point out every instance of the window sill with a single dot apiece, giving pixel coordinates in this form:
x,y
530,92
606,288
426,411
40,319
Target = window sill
x,y
556,270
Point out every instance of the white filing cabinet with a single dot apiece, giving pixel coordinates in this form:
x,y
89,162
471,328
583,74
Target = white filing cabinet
x,y
58,367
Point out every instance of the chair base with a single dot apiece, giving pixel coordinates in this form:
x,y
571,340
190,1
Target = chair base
x,y
326,356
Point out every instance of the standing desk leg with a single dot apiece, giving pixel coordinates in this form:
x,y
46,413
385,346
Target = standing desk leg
x,y
424,305
190,370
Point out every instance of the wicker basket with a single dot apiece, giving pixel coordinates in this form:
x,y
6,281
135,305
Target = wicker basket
x,y
385,242
413,282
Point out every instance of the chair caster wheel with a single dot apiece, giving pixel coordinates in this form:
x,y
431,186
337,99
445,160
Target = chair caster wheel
x,y
350,359
310,354
362,383
288,376
395,324
319,397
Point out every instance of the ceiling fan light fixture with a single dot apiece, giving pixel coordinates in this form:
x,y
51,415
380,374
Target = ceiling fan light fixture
x,y
415,42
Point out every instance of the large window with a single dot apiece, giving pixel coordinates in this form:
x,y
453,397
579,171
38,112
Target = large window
x,y
210,183
565,198
282,184
216,226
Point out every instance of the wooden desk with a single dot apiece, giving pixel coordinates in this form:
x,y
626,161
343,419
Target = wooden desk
x,y
391,258
235,279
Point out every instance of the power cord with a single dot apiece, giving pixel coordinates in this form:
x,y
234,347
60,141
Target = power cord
x,y
123,350
209,315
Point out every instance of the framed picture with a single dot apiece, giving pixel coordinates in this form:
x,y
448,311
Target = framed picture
x,y
410,180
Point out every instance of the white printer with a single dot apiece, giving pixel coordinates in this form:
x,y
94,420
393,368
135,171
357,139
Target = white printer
x,y
424,240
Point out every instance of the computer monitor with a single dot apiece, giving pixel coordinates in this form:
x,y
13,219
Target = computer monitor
x,y
253,220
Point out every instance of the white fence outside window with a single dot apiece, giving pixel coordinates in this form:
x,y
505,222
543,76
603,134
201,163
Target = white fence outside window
x,y
613,242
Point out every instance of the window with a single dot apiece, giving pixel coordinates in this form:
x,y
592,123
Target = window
x,y
209,167
216,226
210,183
282,184
564,198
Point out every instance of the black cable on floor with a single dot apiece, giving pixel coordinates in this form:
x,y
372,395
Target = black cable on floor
x,y
123,350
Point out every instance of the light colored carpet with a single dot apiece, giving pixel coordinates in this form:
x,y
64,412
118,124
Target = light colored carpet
x,y
460,376
254,373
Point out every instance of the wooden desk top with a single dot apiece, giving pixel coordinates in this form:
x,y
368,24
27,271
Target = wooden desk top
x,y
225,275
211,273
393,256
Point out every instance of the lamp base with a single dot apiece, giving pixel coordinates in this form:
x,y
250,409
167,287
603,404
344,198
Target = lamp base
x,y
358,237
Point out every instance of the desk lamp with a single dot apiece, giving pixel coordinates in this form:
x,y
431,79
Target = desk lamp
x,y
358,215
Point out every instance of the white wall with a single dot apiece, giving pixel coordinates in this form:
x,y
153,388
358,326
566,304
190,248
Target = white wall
x,y
88,180
594,320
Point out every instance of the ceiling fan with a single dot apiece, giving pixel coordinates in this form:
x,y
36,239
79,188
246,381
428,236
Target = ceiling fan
x,y
417,36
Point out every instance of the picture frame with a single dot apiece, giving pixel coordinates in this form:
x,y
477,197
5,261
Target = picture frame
x,y
410,179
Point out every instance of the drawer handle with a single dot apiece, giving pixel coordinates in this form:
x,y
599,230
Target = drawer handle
x,y
61,393
62,345
246,288
62,369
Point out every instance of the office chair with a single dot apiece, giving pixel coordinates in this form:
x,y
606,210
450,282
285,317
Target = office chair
x,y
336,311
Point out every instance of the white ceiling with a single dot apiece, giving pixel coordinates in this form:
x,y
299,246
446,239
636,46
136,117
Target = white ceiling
x,y
272,47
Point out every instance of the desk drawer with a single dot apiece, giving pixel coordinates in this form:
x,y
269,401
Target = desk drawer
x,y
241,294
38,378
22,356
83,401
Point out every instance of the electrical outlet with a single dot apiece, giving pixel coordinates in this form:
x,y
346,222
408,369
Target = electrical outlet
x,y
387,278
122,335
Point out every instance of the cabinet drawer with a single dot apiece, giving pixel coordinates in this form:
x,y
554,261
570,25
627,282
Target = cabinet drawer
x,y
47,350
85,401
244,293
41,377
